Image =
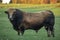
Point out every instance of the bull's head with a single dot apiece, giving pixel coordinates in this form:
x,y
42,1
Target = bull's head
x,y
11,13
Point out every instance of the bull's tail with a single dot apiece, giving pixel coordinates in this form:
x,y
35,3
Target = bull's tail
x,y
50,12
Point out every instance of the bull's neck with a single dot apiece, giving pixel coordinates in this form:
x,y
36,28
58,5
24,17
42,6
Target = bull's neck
x,y
17,20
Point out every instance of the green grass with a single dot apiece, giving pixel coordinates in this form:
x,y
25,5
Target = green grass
x,y
8,33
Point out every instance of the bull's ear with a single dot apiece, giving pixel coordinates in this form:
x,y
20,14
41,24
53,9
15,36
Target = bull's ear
x,y
6,12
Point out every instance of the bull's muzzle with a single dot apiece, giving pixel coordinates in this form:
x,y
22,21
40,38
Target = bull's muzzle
x,y
11,18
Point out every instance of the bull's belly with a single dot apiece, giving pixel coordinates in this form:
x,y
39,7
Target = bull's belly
x,y
35,27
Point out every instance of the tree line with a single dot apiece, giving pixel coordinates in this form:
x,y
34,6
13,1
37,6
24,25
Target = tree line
x,y
34,1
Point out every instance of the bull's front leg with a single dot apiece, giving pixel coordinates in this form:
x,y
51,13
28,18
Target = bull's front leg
x,y
18,32
22,32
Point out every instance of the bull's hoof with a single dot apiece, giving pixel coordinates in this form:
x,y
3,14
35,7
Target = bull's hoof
x,y
53,35
36,31
18,33
22,33
49,36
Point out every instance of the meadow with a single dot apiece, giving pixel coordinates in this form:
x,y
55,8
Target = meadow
x,y
8,33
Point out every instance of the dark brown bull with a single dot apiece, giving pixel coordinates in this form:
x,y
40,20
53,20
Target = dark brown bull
x,y
22,21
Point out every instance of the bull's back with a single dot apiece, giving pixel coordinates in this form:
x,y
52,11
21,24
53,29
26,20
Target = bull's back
x,y
34,18
37,17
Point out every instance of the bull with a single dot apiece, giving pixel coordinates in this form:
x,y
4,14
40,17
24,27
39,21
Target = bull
x,y
22,21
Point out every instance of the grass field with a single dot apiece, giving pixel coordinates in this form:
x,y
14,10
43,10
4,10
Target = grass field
x,y
8,33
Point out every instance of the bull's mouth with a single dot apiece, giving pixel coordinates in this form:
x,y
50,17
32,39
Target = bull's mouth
x,y
11,19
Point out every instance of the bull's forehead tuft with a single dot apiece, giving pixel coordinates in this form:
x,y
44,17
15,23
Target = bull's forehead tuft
x,y
11,10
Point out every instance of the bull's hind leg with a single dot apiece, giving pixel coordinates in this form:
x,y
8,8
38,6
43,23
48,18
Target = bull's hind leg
x,y
52,31
48,31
